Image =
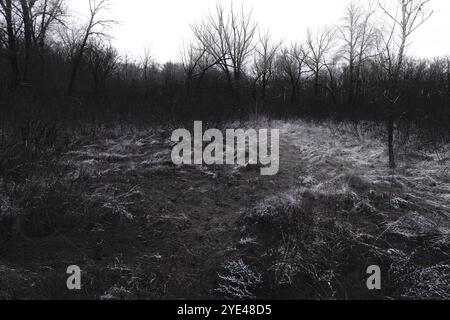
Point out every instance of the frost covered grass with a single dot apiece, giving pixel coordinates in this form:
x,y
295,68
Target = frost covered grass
x,y
74,199
82,180
111,201
347,211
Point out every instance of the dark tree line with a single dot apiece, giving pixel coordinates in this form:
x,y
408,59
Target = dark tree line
x,y
357,70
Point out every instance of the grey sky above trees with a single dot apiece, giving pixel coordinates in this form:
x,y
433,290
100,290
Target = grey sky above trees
x,y
162,26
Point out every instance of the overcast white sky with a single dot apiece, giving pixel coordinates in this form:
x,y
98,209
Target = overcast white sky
x,y
163,25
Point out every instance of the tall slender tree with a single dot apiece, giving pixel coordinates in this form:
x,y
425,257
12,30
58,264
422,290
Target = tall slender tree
x,y
358,35
264,67
403,19
97,26
11,43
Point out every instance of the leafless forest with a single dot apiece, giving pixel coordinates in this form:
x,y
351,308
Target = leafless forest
x,y
86,176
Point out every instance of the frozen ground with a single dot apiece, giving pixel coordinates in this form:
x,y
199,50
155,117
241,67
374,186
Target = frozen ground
x,y
140,227
345,211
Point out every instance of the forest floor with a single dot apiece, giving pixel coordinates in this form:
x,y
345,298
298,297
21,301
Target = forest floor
x,y
140,227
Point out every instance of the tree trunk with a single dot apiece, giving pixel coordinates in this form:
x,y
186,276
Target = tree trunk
x,y
12,47
294,93
28,34
351,86
316,83
390,132
77,63
263,93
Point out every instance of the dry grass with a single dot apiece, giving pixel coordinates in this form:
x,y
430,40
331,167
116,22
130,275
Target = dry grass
x,y
111,201
348,211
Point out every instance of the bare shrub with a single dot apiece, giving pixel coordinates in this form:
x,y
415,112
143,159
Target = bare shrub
x,y
240,282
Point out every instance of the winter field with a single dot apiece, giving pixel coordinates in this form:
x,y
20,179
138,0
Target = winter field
x,y
111,201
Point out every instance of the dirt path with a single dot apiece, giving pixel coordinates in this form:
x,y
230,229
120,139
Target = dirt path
x,y
202,215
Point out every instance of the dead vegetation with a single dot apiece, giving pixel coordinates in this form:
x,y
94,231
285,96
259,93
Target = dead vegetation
x,y
111,201
346,213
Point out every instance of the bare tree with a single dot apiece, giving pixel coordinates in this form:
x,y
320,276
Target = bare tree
x,y
38,16
332,68
27,6
227,37
291,64
196,63
101,60
191,58
264,65
148,69
405,17
319,46
68,40
359,37
96,27
7,11
46,14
